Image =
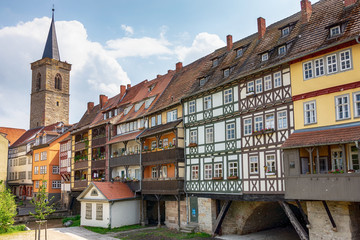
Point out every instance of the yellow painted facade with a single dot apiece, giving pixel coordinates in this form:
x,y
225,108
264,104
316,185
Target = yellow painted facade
x,y
164,115
4,148
325,103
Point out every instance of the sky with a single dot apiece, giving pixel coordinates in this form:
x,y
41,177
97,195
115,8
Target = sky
x,y
115,42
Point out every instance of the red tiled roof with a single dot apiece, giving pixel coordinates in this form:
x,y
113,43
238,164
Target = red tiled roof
x,y
125,137
115,190
335,135
27,136
12,134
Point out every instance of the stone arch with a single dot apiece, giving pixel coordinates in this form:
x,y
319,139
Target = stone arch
x,y
38,82
58,81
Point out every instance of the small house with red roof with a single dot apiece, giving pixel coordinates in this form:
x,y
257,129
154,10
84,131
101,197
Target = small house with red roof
x,y
109,204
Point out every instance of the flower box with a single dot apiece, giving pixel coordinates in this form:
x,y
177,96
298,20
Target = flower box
x,y
192,145
233,178
217,178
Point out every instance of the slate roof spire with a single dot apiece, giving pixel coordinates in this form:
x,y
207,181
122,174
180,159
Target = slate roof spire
x,y
51,48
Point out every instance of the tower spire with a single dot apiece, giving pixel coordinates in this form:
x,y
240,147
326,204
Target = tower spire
x,y
51,47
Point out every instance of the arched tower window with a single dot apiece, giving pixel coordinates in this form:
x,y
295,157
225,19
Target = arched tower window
x,y
58,81
38,82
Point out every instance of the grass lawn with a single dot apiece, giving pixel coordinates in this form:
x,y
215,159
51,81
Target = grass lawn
x,y
119,229
163,234
76,221
13,229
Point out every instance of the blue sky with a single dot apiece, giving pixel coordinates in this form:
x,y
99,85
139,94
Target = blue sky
x,y
115,42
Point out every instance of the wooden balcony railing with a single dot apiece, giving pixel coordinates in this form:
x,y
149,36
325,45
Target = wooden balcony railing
x,y
80,184
98,142
163,157
100,164
80,146
133,159
80,165
163,187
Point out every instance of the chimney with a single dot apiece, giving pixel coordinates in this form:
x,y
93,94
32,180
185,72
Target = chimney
x,y
128,86
90,106
306,10
261,27
102,100
178,66
229,42
349,2
122,90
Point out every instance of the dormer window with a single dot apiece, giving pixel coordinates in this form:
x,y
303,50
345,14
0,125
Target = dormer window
x,y
110,114
226,72
264,57
285,31
215,62
334,31
151,88
104,116
239,52
282,50
202,81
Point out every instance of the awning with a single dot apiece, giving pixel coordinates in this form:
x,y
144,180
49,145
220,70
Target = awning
x,y
159,129
125,137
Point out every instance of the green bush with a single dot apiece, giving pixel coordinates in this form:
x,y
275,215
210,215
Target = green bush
x,y
7,208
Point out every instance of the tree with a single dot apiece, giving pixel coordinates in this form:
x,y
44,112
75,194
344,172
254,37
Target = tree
x,y
7,208
42,205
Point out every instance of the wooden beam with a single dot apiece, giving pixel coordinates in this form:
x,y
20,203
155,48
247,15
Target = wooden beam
x,y
221,216
334,228
297,226
308,225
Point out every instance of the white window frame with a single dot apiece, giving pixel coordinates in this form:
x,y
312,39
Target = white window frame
x,y
171,115
154,172
153,121
247,126
226,72
218,170
195,172
282,120
233,169
239,52
356,104
228,96
254,164
158,119
88,210
311,111
36,157
282,50
331,63
207,102
270,164
250,87
285,31
270,122
209,135
207,171
308,70
37,184
258,123
345,60
36,170
192,107
43,156
345,107
277,79
193,136
56,184
230,131
319,67
264,57
335,31
267,82
258,85
215,62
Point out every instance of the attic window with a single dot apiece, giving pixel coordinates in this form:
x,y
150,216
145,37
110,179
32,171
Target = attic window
x,y
110,114
148,102
334,31
264,57
104,116
226,72
138,106
282,50
94,193
285,31
202,81
215,62
151,88
239,52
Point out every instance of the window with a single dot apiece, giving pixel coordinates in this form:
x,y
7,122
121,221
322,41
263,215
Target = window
x,y
226,72
310,112
36,170
342,107
88,211
43,169
110,114
36,157
207,171
159,119
345,61
285,31
192,107
228,96
55,169
250,87
29,175
233,169
163,172
202,81
258,85
209,135
334,31
337,160
354,163
258,123
331,64
282,120
148,102
267,83
153,144
153,121
308,71
239,52
195,172
193,136
56,184
319,67
172,116
230,131
153,172
36,184
99,211
165,142
270,164
356,98
264,57
277,79
254,165
218,170
58,81
43,156
247,126
207,102
215,62
282,50
269,121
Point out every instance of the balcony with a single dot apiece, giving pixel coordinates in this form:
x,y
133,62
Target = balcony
x,y
80,184
133,185
163,187
133,159
80,165
81,145
100,141
99,164
163,157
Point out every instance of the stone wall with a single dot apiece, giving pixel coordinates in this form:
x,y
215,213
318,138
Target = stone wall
x,y
171,214
206,214
346,216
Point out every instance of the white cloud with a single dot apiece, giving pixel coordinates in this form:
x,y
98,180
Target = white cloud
x,y
128,30
203,44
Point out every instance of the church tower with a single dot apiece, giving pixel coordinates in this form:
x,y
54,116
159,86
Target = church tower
x,y
50,85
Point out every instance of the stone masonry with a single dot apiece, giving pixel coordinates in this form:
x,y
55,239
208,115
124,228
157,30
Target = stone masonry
x,y
171,214
206,214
